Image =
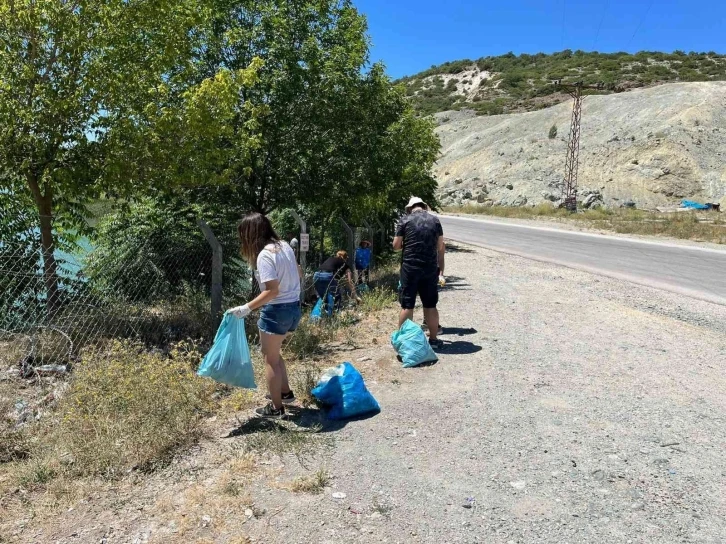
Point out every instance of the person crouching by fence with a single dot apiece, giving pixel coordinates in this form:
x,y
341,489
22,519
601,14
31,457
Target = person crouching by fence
x,y
363,256
327,278
278,275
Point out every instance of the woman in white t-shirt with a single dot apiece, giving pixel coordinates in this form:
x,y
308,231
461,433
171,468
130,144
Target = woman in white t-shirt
x,y
278,274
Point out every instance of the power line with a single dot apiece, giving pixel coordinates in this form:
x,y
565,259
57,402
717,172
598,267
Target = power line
x,y
642,20
599,27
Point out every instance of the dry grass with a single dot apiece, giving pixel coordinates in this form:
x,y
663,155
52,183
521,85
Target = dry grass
x,y
700,226
314,484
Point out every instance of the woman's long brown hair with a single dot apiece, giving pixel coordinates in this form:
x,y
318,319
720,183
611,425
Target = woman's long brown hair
x,y
255,232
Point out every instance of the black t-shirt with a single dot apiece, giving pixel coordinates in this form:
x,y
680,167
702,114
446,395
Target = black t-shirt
x,y
420,232
335,265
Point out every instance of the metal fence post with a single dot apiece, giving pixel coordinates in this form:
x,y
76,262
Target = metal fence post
x,y
303,254
371,235
383,232
216,307
351,243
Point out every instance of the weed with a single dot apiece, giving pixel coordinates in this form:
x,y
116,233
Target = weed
x,y
36,473
314,484
303,378
279,438
14,445
124,409
377,299
307,340
382,508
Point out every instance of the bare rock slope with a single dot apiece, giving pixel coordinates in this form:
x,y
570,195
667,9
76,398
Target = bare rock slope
x,y
653,146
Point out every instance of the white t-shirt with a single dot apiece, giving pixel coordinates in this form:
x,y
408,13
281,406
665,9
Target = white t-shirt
x,y
277,262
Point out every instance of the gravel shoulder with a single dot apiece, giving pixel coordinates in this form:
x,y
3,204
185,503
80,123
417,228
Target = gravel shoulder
x,y
565,407
581,410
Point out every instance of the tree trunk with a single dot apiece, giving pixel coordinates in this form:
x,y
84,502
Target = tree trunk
x,y
44,203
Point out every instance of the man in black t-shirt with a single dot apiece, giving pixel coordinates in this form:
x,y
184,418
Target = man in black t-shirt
x,y
420,236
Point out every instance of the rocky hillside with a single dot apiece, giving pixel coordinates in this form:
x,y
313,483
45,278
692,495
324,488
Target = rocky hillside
x,y
510,83
654,146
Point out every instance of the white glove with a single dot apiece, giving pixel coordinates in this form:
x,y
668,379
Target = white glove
x,y
442,281
240,311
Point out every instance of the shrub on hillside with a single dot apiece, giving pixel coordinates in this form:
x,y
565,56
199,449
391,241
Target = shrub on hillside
x,y
553,132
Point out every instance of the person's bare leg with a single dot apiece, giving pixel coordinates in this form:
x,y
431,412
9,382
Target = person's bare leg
x,y
431,316
285,383
271,345
405,314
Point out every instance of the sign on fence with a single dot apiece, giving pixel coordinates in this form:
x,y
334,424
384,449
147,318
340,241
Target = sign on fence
x,y
304,241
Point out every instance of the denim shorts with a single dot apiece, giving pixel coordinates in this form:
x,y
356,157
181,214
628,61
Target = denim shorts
x,y
279,318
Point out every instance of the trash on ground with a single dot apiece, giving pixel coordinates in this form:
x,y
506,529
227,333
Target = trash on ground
x,y
342,389
51,370
229,361
412,346
339,495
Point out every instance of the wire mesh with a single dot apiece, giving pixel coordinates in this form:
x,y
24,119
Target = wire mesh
x,y
156,298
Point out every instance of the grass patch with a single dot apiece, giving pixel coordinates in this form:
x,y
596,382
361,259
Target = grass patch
x,y
124,409
707,226
280,437
303,378
314,484
377,299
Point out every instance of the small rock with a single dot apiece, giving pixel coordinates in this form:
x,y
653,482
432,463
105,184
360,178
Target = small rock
x,y
364,359
518,484
339,495
376,515
249,513
206,520
637,506
509,186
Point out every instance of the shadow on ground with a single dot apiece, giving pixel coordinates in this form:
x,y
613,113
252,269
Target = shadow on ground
x,y
458,347
451,248
457,331
456,283
299,420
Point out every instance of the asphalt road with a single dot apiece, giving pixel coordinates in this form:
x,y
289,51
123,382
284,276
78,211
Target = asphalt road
x,y
697,272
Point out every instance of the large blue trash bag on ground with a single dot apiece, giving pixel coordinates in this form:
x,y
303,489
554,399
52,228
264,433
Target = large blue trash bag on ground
x,y
229,361
321,308
694,205
412,346
342,388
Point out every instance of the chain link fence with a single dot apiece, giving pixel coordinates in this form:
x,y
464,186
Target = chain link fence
x,y
153,297
142,288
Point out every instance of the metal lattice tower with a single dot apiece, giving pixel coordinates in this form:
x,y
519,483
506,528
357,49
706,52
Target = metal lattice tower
x,y
572,161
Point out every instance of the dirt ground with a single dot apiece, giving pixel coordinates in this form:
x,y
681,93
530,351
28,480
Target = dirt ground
x,y
565,408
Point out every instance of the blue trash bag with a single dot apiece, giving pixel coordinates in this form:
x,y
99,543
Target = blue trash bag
x,y
229,361
363,288
694,205
342,388
317,312
411,344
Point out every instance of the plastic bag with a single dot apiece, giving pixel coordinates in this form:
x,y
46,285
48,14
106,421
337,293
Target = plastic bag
x,y
229,361
412,346
343,389
317,312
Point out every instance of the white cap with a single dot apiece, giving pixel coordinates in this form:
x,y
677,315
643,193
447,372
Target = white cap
x,y
414,200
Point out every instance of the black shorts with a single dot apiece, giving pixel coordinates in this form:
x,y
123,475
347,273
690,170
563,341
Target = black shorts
x,y
422,283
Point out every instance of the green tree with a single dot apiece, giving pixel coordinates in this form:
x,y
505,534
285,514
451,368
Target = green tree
x,y
74,76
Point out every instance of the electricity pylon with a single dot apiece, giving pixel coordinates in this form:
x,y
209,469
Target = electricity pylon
x,y
572,161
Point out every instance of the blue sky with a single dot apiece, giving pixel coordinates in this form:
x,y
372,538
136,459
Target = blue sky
x,y
410,36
